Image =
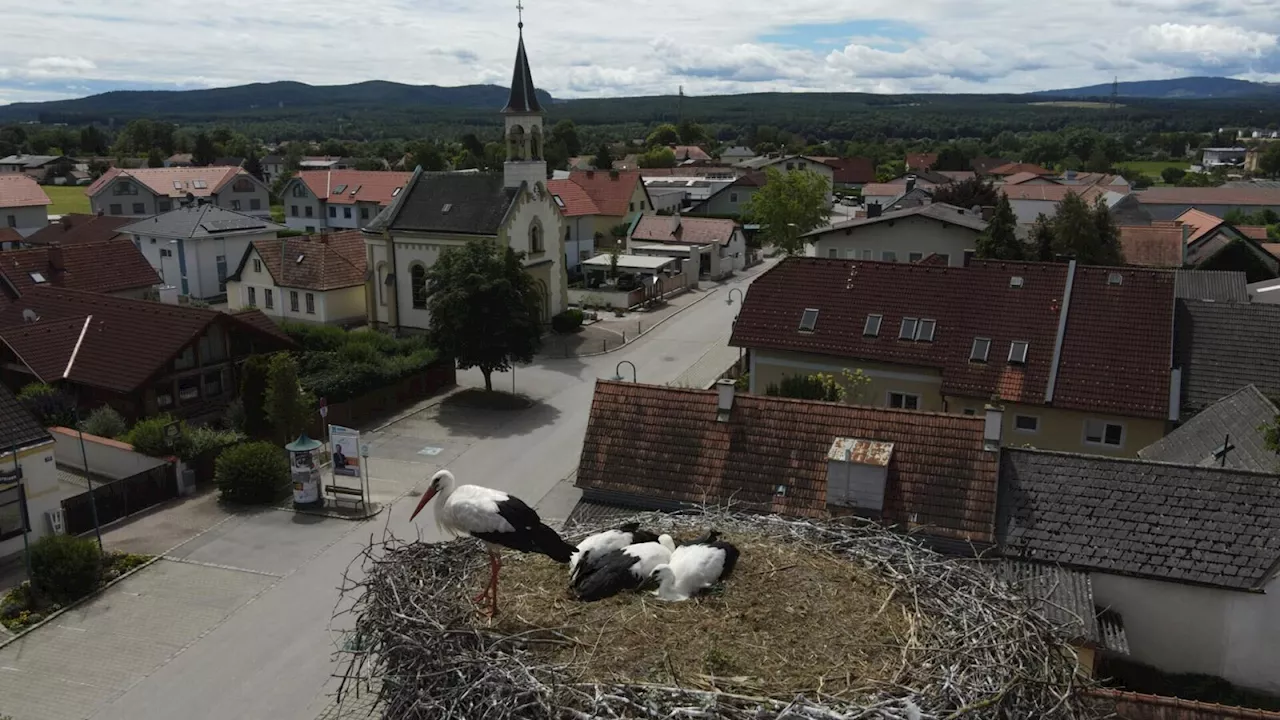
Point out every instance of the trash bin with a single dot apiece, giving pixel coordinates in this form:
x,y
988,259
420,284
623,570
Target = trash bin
x,y
304,467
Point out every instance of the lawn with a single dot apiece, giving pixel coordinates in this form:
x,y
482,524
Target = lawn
x,y
1089,105
67,199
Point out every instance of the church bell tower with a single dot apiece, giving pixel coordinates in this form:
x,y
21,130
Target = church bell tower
x,y
523,123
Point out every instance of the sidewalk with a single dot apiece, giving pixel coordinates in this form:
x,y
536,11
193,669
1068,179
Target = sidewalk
x,y
611,333
708,368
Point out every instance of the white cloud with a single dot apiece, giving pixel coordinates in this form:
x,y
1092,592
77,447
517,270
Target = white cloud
x,y
1212,41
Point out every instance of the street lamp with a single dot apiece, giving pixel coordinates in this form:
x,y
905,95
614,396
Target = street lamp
x,y
729,300
88,478
617,372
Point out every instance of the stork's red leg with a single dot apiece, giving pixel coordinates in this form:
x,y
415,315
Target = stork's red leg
x,y
497,565
488,587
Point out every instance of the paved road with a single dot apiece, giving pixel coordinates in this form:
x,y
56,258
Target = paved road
x,y
271,657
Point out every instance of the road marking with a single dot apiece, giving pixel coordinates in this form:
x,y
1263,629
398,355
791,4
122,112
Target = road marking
x,y
430,451
222,567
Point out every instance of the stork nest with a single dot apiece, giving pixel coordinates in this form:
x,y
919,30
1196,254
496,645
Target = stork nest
x,y
819,620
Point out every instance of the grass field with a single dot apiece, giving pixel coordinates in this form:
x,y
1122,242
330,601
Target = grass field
x,y
1077,104
66,199
1151,168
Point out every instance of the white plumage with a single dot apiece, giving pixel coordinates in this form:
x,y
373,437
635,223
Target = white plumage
x,y
611,572
612,539
472,509
692,568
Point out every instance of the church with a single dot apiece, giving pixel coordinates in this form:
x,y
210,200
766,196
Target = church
x,y
437,211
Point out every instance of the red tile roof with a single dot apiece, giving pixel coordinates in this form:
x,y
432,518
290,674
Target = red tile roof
x,y
73,229
329,262
1254,232
688,230
161,180
1151,245
588,192
1201,223
1192,196
1272,247
984,165
10,235
125,342
375,186
18,190
689,152
1055,193
105,267
662,446
921,161
1022,177
853,171
1015,168
978,302
1140,706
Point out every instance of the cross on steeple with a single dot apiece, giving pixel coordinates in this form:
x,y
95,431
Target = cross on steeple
x,y
520,10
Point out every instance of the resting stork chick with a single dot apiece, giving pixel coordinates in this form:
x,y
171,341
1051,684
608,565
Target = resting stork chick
x,y
693,568
494,517
615,539
609,573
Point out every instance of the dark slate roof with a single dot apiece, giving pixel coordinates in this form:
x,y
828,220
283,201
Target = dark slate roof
x,y
201,221
1223,347
524,97
1066,599
1176,523
18,427
471,203
1219,285
1239,415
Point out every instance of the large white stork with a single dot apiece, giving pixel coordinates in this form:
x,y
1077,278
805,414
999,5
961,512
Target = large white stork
x,y
614,539
694,567
606,574
498,519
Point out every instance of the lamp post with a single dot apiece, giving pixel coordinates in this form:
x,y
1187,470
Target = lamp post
x,y
729,300
93,498
617,372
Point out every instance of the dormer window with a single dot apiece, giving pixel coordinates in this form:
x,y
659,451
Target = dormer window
x,y
918,329
872,328
981,346
908,331
1015,282
339,190
37,278
1115,278
809,320
924,331
1018,352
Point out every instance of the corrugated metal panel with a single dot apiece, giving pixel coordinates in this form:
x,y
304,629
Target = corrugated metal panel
x,y
1217,285
1066,596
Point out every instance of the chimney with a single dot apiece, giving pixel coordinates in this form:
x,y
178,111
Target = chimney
x,y
613,174
874,210
65,222
993,432
591,174
988,212
911,183
857,472
55,257
724,399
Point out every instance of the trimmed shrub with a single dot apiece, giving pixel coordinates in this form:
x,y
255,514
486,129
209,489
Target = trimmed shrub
x,y
50,405
65,568
105,422
339,365
147,437
567,321
202,440
255,473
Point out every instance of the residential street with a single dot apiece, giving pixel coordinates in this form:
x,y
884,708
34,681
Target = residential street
x,y
269,653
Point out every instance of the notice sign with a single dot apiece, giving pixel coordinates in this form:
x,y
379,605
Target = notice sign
x,y
346,450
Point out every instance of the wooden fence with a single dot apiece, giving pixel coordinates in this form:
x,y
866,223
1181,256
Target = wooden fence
x,y
116,499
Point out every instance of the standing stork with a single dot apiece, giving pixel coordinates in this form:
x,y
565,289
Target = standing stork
x,y
692,568
498,519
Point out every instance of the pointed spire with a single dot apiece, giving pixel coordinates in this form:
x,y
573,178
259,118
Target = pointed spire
x,y
524,97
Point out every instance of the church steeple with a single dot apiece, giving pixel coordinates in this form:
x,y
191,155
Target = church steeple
x,y
523,120
524,97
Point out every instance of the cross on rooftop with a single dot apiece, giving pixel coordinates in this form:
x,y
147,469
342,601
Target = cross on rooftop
x,y
520,10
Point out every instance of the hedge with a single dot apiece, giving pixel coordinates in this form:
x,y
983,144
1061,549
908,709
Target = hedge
x,y
65,568
254,473
339,365
567,321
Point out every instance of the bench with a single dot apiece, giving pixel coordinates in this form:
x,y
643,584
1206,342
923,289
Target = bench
x,y
356,493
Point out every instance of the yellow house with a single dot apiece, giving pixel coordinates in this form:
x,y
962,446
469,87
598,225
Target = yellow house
x,y
319,278
1079,358
592,204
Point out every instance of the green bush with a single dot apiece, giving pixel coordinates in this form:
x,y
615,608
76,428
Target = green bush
x,y
339,365
253,389
202,440
105,422
567,321
147,437
65,568
50,405
252,474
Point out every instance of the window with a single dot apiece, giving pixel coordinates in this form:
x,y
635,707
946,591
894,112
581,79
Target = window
x,y
310,211
213,347
945,258
889,256
311,228
221,261
1026,423
418,283
235,204
189,388
872,328
293,210
1115,279
642,208
981,346
808,320
164,205
139,209
346,213
242,185
199,184
924,331
293,300
255,204
1016,282
37,278
267,297
339,189
833,253
213,383
13,221
333,211
166,252
116,209
970,411
299,190
153,241
164,396
253,297
791,166
364,213
125,188
866,254
177,184
904,401
311,304
733,198
13,511
1018,353
915,257
1100,432
631,207
257,266
535,239
908,331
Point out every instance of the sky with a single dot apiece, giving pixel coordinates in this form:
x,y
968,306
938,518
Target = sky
x,y
612,48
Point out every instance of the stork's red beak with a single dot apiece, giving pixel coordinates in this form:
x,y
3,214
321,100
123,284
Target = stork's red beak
x,y
426,498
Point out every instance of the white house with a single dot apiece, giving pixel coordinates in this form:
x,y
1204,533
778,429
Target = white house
x,y
143,192
32,490
194,248
717,244
1184,555
318,278
24,206
338,199
908,235
437,212
790,163
1029,201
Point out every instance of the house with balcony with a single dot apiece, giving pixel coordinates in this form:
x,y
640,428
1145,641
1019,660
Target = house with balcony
x,y
593,203
144,192
319,200
24,206
315,278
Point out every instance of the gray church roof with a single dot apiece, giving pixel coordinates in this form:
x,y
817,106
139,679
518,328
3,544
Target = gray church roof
x,y
469,203
1240,416
524,97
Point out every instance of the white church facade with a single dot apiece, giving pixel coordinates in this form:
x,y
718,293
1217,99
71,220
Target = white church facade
x,y
437,211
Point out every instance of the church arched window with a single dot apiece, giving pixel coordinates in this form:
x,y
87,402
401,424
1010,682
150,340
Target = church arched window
x,y
418,283
515,144
535,238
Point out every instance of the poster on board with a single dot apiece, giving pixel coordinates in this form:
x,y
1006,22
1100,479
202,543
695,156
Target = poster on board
x,y
346,450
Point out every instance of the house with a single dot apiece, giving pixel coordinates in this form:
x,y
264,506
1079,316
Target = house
x,y
110,267
690,153
897,190
326,162
1211,285
718,245
10,239
903,235
192,247
150,191
338,199
853,172
1224,347
736,154
440,211
28,477
1029,201
179,160
1214,244
40,168
677,192
273,166
1185,554
982,166
917,162
1080,357
1168,203
138,356
790,163
1030,178
1228,433
1010,169
731,199
24,206
317,278
593,204
656,447
75,228
1219,156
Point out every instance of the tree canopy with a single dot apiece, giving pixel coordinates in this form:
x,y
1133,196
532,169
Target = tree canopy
x,y
1087,234
789,205
484,308
967,193
658,157
1000,240
664,134
204,153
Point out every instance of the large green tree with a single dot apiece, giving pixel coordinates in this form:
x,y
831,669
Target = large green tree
x,y
566,133
658,157
1000,240
204,152
254,378
665,134
1269,160
484,308
967,193
603,160
788,206
1087,234
288,407
1042,238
